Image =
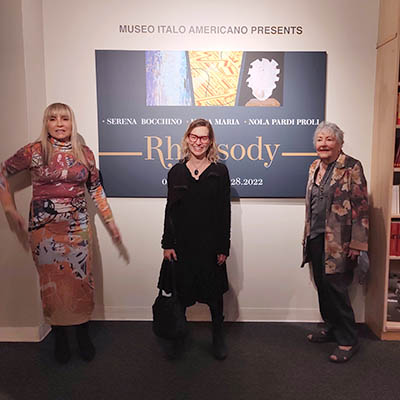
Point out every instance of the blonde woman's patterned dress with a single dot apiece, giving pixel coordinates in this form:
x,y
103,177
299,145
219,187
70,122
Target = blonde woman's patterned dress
x,y
60,234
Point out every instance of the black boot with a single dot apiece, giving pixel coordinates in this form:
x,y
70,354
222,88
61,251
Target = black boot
x,y
62,352
174,348
219,347
86,347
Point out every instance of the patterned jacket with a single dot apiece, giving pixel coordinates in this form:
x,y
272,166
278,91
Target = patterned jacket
x,y
347,222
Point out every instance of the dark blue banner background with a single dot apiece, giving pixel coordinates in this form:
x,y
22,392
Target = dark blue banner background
x,y
123,128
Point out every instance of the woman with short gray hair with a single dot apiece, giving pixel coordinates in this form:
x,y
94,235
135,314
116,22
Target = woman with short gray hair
x,y
336,231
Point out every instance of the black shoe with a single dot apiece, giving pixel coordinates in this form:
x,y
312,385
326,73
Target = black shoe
x,y
86,347
219,347
62,352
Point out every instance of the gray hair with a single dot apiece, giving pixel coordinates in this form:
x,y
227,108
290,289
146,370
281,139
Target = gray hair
x,y
331,128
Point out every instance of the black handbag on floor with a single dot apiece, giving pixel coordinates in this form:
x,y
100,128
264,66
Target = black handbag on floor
x,y
169,321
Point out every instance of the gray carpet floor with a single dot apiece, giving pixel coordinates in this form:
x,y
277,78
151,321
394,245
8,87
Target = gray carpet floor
x,y
266,361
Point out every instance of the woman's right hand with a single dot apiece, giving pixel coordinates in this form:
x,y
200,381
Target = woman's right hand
x,y
15,220
115,234
17,225
169,254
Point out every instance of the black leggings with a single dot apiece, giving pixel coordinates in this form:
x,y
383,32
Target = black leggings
x,y
216,309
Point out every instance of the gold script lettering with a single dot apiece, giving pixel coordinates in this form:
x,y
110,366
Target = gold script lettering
x,y
171,146
150,149
258,146
270,154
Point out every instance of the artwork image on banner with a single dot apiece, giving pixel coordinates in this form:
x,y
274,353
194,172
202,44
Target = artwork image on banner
x,y
211,78
264,107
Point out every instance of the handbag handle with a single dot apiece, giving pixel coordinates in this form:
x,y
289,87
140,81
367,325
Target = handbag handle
x,y
172,266
173,271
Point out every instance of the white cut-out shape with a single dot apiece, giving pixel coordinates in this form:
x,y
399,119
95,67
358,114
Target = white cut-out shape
x,y
49,251
263,75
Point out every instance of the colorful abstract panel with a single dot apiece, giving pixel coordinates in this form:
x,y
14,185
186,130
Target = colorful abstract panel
x,y
167,79
215,76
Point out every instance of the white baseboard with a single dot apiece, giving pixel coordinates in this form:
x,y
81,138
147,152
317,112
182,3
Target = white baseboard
x,y
200,312
111,313
24,333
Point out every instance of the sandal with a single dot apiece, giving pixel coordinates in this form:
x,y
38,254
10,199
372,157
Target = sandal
x,y
321,337
343,355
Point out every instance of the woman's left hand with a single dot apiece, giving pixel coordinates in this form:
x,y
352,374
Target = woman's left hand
x,y
116,236
353,254
221,258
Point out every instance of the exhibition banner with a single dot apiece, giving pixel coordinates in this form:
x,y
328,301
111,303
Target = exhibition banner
x,y
264,107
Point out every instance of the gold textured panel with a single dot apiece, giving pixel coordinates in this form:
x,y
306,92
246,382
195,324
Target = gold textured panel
x,y
215,76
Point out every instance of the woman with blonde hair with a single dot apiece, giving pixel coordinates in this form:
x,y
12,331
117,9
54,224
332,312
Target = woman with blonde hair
x,y
60,166
197,226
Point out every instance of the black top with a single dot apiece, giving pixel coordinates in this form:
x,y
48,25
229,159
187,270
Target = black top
x,y
197,225
319,202
198,212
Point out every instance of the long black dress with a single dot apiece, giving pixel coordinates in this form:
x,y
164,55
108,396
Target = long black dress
x,y
197,225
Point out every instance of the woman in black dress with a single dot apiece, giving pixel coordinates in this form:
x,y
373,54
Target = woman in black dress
x,y
197,225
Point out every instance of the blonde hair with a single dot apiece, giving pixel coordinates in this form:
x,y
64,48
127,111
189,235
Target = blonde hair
x,y
57,109
212,151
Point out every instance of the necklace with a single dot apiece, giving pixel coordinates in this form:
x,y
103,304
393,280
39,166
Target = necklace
x,y
196,169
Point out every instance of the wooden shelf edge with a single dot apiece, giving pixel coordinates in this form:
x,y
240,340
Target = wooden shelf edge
x,y
394,257
392,326
386,41
390,335
395,216
392,331
396,169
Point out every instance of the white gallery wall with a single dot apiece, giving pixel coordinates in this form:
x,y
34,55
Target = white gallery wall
x,y
266,281
23,96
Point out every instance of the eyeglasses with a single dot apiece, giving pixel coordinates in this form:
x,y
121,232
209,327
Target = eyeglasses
x,y
194,138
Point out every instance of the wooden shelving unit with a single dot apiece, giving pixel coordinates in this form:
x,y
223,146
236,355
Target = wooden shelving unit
x,y
383,174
